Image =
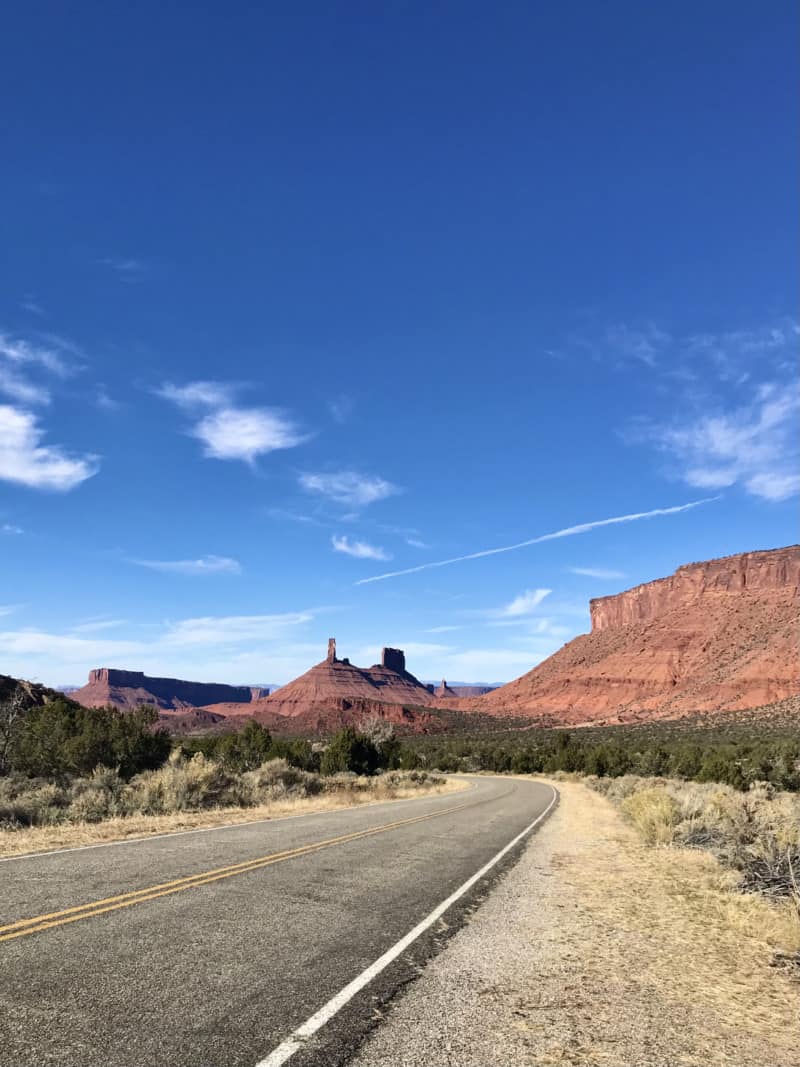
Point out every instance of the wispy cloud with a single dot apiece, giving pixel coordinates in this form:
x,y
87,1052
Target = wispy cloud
x,y
756,445
229,431
602,573
26,461
349,487
213,648
525,603
50,355
103,399
442,629
32,305
92,626
414,542
569,531
730,356
198,394
128,268
21,361
358,549
10,528
16,387
644,343
194,567
235,629
341,407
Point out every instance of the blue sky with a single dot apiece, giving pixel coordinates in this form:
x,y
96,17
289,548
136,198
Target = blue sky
x,y
297,296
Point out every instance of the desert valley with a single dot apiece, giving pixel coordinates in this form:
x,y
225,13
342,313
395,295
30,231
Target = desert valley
x,y
715,636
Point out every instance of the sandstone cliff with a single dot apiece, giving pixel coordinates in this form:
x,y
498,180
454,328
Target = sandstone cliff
x,y
129,689
715,636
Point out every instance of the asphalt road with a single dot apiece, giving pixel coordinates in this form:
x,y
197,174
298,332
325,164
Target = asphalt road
x,y
210,949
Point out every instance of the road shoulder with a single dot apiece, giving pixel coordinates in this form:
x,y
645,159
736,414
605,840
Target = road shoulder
x,y
596,950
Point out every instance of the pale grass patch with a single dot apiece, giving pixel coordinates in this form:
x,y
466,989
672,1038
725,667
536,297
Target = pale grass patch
x,y
352,793
671,921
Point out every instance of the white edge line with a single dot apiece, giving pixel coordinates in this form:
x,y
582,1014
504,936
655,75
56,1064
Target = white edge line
x,y
300,1036
222,826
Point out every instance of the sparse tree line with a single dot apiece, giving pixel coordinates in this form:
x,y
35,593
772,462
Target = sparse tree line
x,y
702,756
61,739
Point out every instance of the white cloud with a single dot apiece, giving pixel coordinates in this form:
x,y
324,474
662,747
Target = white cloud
x,y
359,549
245,433
234,629
603,573
18,358
235,649
229,431
416,543
198,394
10,528
442,629
49,356
348,487
17,387
25,461
569,531
203,566
755,445
525,603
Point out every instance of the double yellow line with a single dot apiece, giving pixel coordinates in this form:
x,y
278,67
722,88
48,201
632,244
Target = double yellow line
x,y
39,923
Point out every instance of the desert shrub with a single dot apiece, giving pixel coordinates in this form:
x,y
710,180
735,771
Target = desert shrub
x,y
278,778
654,813
756,832
31,802
181,785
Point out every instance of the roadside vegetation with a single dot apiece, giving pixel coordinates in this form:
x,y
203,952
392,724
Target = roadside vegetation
x,y
66,768
734,751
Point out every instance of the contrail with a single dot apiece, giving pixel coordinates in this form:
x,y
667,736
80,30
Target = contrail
x,y
569,531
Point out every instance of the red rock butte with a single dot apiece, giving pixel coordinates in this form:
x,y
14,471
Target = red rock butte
x,y
336,693
714,636
129,689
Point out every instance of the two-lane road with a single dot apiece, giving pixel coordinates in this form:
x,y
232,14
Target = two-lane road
x,y
244,945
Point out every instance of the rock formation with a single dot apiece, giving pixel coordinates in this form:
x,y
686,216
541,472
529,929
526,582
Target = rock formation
x,y
129,689
715,636
336,693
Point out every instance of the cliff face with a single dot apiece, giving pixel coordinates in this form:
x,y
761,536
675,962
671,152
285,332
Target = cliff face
x,y
759,573
129,689
715,636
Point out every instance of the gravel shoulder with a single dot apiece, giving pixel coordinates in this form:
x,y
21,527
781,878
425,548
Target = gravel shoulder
x,y
597,950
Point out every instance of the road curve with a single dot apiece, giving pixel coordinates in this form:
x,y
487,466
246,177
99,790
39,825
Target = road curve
x,y
214,948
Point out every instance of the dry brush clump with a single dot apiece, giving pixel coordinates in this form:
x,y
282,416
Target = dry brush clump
x,y
756,832
186,785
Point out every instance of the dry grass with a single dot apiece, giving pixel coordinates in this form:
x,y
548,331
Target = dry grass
x,y
756,833
659,939
270,797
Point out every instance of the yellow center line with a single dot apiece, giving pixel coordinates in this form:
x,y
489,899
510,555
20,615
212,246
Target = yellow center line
x,y
24,927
